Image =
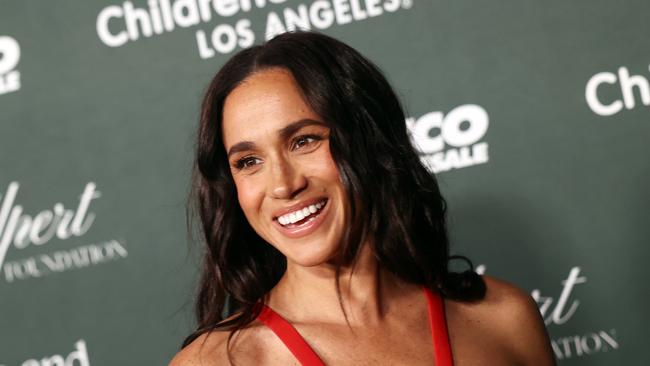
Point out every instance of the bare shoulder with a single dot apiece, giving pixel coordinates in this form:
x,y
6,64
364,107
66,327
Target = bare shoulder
x,y
508,299
510,318
504,307
255,344
206,350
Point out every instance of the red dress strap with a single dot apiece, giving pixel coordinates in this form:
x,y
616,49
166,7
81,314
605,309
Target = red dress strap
x,y
307,357
438,325
290,337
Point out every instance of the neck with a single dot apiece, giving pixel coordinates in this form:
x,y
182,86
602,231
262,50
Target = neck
x,y
365,289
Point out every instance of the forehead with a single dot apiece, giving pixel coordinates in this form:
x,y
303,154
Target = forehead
x,y
262,104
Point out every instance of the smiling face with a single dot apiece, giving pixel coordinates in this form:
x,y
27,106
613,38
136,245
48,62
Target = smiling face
x,y
287,183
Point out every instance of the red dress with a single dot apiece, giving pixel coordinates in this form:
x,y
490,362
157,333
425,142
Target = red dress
x,y
307,357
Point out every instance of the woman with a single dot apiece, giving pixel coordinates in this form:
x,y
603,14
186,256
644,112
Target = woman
x,y
326,237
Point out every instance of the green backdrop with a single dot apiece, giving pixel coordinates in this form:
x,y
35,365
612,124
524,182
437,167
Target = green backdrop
x,y
535,116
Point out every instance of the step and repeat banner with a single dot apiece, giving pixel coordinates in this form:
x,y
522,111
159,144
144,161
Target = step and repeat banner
x,y
535,116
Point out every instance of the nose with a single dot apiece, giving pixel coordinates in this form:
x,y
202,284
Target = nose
x,y
287,179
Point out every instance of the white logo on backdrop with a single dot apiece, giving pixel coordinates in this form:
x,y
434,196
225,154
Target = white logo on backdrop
x,y
78,357
622,85
560,311
23,230
9,57
119,24
451,141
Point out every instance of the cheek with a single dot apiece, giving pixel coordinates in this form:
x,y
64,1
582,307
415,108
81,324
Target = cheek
x,y
331,171
250,197
324,166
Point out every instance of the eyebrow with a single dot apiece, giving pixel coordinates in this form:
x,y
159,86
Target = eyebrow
x,y
283,133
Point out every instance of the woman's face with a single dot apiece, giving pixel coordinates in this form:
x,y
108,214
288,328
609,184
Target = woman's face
x,y
288,186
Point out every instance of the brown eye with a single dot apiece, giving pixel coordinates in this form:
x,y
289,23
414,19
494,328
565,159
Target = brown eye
x,y
246,162
305,140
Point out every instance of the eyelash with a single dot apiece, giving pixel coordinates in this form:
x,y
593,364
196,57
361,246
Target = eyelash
x,y
242,163
315,138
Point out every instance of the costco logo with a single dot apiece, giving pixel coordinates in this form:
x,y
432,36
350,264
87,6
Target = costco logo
x,y
452,140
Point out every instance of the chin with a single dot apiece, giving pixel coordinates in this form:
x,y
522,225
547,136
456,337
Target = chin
x,y
311,257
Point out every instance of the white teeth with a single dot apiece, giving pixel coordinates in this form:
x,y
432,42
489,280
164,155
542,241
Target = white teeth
x,y
300,214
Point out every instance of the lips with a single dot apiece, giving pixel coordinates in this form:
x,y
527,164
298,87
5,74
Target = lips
x,y
305,213
304,226
297,206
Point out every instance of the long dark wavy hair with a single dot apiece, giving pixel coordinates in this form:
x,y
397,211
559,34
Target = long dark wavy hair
x,y
395,201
